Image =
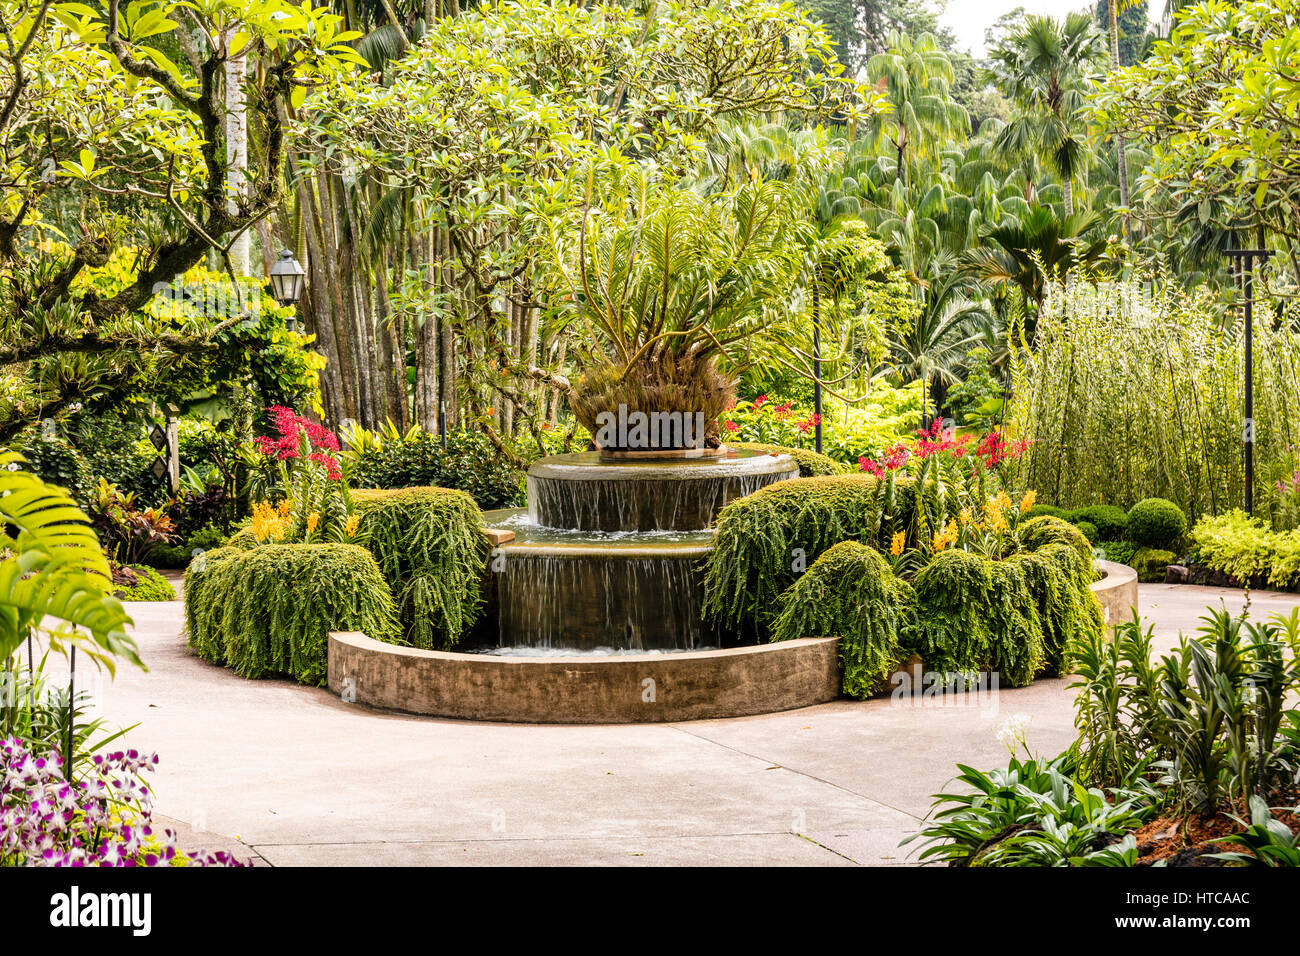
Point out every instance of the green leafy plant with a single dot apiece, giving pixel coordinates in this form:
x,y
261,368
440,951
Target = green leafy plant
x,y
1109,520
811,464
267,611
430,546
1266,840
141,583
851,593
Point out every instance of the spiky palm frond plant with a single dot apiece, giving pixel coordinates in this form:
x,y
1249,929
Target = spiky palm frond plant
x,y
54,578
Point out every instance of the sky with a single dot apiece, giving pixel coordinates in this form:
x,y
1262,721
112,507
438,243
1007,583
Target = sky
x,y
968,19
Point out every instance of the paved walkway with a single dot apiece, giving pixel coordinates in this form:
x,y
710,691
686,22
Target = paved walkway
x,y
299,777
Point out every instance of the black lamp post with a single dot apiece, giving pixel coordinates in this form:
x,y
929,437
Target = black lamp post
x,y
1247,259
287,283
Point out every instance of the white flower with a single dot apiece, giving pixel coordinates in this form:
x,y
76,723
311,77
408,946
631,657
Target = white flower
x,y
1014,732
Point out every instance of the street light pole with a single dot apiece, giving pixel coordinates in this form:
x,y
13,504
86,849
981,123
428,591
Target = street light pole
x,y
1247,258
817,359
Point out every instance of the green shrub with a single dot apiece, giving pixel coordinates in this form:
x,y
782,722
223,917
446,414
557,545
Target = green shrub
x,y
268,611
1039,532
1235,544
811,464
1089,531
1156,523
149,586
1150,564
55,461
430,546
178,556
1038,510
471,463
116,449
972,613
851,593
1109,520
1059,581
767,539
1120,552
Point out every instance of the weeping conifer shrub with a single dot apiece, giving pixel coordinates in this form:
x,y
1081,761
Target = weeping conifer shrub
x,y
764,541
850,592
267,611
811,464
430,546
1131,394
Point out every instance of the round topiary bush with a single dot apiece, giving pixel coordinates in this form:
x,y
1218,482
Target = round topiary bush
x,y
1156,523
1039,510
1109,520
1150,564
811,464
267,611
1089,531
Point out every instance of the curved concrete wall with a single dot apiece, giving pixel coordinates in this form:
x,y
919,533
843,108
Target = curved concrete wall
x,y
1117,592
640,688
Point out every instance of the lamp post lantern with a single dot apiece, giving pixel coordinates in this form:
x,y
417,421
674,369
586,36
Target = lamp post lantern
x,y
287,283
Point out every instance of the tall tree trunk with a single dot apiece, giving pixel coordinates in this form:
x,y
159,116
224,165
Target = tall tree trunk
x,y
237,152
1121,154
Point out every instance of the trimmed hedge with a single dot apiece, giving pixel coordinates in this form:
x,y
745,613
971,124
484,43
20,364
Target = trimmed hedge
x,y
267,611
811,464
430,546
1156,523
766,540
1109,520
149,586
1039,532
850,583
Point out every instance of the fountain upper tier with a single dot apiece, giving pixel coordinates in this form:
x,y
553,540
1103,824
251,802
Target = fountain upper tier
x,y
584,492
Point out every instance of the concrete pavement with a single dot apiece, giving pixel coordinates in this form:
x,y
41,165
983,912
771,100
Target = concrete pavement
x,y
299,777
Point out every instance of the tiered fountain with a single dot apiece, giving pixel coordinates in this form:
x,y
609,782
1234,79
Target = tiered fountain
x,y
607,557
594,601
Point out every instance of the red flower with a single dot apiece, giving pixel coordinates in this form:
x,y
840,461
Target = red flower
x,y
288,426
731,426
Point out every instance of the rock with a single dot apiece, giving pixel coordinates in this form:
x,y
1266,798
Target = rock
x,y
1175,574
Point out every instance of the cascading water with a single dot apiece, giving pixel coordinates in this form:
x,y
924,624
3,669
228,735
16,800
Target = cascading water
x,y
609,555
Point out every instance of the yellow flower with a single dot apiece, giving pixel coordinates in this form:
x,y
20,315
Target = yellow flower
x,y
313,520
285,507
1028,500
1004,500
350,526
896,544
940,541
965,516
267,522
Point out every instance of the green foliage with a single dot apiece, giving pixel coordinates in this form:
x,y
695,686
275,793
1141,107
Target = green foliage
x,y
1236,544
850,592
56,461
811,464
1051,510
1265,841
765,540
267,611
1035,813
177,556
55,582
116,449
1088,530
149,586
416,459
1150,564
1109,520
1044,530
1156,523
1132,393
972,614
430,546
1121,552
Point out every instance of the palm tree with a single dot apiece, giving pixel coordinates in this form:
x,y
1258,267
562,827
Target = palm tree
x,y
1045,69
915,77
1027,254
934,348
1113,9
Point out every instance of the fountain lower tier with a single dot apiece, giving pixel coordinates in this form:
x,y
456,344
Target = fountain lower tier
x,y
585,493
